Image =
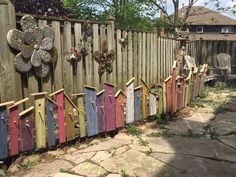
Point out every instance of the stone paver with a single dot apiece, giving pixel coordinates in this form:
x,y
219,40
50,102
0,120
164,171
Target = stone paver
x,y
64,175
198,166
78,157
89,169
136,163
114,175
107,145
100,156
46,169
203,146
229,140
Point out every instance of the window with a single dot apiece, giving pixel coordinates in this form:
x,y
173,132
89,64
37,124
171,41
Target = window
x,y
199,29
227,29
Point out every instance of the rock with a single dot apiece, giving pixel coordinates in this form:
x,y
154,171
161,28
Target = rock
x,y
14,168
49,168
56,153
32,158
64,175
114,175
78,157
89,169
95,142
100,156
71,150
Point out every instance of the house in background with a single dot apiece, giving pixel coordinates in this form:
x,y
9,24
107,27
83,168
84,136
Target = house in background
x,y
207,24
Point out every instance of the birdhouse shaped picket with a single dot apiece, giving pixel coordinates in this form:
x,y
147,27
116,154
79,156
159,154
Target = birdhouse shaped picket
x,y
60,114
101,111
82,114
14,127
110,106
40,123
3,129
137,103
26,129
130,101
160,99
69,116
152,104
120,109
91,110
179,93
50,104
168,87
145,92
173,87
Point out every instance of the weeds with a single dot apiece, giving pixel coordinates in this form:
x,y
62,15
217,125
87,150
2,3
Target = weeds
x,y
124,174
219,109
204,93
29,164
164,134
149,152
191,134
132,130
142,142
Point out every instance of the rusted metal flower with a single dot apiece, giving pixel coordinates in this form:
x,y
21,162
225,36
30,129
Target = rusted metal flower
x,y
35,45
105,59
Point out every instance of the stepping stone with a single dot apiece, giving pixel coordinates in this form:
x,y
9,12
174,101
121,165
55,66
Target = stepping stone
x,y
89,169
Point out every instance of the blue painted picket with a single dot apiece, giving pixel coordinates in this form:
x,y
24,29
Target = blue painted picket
x,y
3,132
50,123
101,112
91,110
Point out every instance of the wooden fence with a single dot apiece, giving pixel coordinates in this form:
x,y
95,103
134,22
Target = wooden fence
x,y
205,51
144,55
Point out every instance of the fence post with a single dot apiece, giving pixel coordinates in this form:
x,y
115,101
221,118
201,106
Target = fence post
x,y
111,46
9,78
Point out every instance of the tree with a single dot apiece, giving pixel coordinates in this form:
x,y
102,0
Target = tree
x,y
127,13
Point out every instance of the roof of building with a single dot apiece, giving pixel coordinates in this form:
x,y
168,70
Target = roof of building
x,y
203,16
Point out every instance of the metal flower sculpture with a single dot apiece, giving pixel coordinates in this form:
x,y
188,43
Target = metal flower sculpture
x,y
35,45
105,59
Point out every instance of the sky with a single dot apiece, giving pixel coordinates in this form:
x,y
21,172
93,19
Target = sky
x,y
226,3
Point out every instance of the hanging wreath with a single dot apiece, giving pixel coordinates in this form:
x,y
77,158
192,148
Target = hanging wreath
x,y
35,46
